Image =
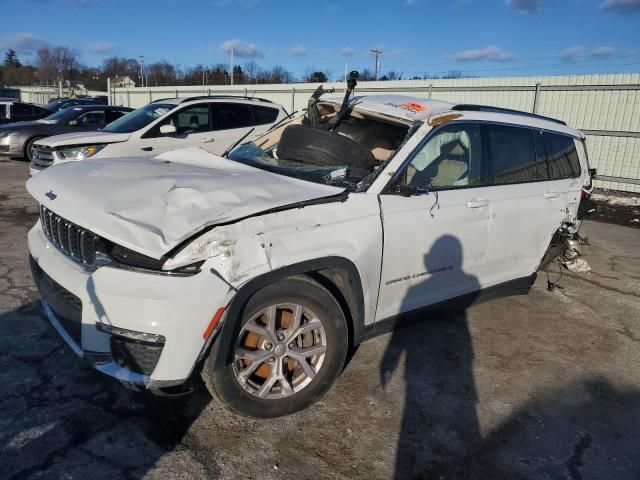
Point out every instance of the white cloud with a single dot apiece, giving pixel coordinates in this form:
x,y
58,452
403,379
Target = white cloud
x,y
298,51
347,52
101,48
491,52
241,49
25,43
574,54
527,6
621,6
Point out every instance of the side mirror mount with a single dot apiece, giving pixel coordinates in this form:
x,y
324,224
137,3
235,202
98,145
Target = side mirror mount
x,y
167,130
73,123
403,190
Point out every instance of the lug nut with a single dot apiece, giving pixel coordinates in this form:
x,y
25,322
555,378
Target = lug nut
x,y
271,359
292,345
280,336
268,346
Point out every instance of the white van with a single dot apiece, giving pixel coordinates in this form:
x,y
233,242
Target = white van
x,y
214,123
259,271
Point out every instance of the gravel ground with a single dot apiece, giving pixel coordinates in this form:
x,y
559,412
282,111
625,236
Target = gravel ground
x,y
542,386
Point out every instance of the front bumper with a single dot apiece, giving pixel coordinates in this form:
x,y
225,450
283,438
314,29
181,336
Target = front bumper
x,y
79,303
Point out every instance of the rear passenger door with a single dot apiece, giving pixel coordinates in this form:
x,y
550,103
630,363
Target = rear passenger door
x,y
528,202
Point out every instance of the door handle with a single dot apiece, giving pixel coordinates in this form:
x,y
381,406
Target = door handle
x,y
147,149
207,140
551,194
477,203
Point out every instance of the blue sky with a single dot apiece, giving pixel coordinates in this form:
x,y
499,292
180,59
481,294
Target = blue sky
x,y
478,37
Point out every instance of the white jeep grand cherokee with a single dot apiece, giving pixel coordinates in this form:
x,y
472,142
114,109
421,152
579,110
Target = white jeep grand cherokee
x,y
260,271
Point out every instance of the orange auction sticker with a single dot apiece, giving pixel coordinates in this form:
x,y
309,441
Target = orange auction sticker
x,y
417,107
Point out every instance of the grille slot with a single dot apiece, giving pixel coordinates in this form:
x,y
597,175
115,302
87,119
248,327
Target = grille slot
x,y
42,157
76,242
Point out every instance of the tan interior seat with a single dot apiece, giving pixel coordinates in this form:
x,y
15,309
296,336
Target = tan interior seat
x,y
449,172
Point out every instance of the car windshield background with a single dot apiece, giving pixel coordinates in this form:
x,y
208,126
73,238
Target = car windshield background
x,y
63,116
139,118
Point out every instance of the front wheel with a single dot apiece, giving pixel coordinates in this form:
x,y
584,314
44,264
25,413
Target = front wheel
x,y
283,354
30,148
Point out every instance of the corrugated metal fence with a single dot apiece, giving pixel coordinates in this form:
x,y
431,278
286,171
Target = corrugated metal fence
x,y
605,107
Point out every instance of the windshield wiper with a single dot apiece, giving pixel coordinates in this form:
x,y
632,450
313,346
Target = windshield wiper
x,y
228,150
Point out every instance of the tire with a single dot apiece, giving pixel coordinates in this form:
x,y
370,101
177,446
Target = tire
x,y
323,149
223,370
29,145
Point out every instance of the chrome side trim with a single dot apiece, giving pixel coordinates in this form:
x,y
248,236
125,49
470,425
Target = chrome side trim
x,y
123,374
63,333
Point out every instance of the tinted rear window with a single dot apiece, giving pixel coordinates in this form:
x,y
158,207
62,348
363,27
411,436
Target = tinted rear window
x,y
264,115
232,115
513,156
562,155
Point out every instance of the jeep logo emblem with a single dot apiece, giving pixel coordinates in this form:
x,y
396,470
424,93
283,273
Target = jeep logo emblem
x,y
51,195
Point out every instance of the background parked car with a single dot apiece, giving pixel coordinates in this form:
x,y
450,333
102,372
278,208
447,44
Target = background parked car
x,y
213,123
16,139
56,104
12,110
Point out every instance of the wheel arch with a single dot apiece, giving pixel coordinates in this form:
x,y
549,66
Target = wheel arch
x,y
338,275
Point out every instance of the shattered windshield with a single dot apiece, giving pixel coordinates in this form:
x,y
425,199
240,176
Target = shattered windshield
x,y
349,156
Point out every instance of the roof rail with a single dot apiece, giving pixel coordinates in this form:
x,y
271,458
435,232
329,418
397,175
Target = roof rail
x,y
214,97
485,108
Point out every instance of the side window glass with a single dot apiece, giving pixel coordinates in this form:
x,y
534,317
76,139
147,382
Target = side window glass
x,y
232,115
513,156
192,120
93,119
113,115
449,159
563,156
264,115
19,110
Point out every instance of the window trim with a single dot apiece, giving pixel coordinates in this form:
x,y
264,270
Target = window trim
x,y
170,114
388,188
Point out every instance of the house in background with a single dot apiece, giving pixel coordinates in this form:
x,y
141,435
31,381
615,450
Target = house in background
x,y
123,82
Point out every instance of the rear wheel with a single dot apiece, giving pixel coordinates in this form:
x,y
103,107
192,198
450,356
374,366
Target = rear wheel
x,y
29,148
284,353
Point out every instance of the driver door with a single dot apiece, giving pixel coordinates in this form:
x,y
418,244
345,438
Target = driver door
x,y
436,223
193,129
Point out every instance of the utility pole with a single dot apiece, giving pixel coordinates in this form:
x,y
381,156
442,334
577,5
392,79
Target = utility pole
x,y
141,70
377,53
231,66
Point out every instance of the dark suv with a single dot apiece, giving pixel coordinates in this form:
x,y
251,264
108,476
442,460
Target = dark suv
x,y
12,110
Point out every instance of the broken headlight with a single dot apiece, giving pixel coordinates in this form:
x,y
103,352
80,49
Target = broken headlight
x,y
133,259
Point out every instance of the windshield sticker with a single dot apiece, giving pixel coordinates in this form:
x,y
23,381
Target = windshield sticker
x,y
412,107
341,173
160,111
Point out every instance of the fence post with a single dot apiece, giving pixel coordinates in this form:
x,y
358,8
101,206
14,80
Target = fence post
x,y
536,96
176,93
430,90
293,99
128,98
60,89
246,92
109,102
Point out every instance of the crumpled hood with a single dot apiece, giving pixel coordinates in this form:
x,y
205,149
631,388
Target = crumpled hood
x,y
152,205
84,138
